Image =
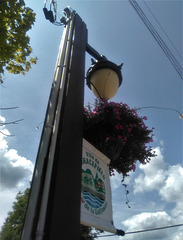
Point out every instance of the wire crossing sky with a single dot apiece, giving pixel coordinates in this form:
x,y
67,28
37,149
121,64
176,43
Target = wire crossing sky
x,y
163,30
145,230
157,37
155,229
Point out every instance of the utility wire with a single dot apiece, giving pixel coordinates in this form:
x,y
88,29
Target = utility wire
x,y
163,29
155,229
157,37
146,230
161,108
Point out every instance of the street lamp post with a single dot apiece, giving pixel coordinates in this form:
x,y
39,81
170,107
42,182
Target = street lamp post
x,y
63,209
53,210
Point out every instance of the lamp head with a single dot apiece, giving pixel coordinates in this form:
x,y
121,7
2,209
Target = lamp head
x,y
104,78
68,12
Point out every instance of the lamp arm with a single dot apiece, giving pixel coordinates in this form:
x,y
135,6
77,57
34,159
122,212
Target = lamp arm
x,y
94,53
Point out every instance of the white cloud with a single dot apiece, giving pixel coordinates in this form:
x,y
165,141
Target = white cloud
x,y
2,119
178,236
18,161
14,169
148,220
152,176
177,212
156,175
15,173
172,190
116,180
167,182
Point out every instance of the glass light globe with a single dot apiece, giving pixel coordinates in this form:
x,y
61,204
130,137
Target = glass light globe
x,y
104,78
104,83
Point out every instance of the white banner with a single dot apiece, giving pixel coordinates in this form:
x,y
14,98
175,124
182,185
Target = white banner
x,y
96,202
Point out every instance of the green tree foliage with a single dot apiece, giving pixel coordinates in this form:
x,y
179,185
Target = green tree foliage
x,y
15,50
12,227
86,233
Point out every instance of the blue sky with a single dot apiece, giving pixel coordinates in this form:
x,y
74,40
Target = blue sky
x,y
149,79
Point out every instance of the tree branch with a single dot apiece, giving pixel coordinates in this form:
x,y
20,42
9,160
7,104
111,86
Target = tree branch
x,y
8,108
8,123
6,134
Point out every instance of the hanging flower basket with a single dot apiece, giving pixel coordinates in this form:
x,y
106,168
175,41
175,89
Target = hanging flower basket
x,y
119,133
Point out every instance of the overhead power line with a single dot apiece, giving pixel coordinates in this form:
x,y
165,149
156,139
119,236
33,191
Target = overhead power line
x,y
146,230
163,30
155,229
157,37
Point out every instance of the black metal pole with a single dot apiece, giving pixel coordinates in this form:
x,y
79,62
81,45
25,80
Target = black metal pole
x,y
63,210
41,166
94,53
54,205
